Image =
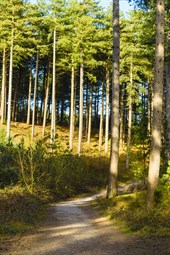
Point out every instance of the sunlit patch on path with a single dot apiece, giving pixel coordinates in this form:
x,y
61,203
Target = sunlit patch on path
x,y
73,227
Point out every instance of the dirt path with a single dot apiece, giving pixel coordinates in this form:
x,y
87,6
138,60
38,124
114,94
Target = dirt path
x,y
73,227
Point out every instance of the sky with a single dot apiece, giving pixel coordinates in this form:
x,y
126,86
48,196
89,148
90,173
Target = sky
x,y
124,5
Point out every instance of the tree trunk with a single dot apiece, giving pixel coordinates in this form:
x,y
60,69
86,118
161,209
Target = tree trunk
x,y
3,95
101,119
121,140
90,116
149,106
129,118
53,113
154,163
29,94
46,99
107,109
35,96
167,101
15,101
10,84
87,110
114,157
81,109
72,108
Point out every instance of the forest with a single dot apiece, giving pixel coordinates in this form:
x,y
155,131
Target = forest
x,y
85,106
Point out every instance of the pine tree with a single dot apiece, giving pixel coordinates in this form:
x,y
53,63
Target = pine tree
x,y
154,163
113,171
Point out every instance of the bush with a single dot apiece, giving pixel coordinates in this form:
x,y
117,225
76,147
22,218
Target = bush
x,y
19,210
8,171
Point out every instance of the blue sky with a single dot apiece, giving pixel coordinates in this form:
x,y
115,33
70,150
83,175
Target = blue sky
x,y
124,5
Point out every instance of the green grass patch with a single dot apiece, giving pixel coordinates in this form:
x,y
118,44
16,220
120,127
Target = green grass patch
x,y
130,213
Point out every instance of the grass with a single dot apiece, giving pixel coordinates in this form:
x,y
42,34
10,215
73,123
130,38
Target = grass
x,y
129,212
20,211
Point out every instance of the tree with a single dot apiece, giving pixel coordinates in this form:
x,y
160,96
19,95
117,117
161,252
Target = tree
x,y
107,109
72,107
114,157
101,118
3,89
10,75
167,102
154,162
53,119
35,95
29,94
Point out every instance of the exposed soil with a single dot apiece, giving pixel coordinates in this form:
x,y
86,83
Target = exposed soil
x,y
73,227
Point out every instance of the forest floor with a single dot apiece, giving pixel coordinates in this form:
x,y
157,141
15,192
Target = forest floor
x,y
74,227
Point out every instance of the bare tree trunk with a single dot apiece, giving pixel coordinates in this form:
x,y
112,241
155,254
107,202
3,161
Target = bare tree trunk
x,y
35,95
72,108
3,94
107,109
129,117
87,110
14,102
81,109
114,157
29,94
167,101
101,119
149,106
10,84
90,116
46,99
154,163
121,141
53,112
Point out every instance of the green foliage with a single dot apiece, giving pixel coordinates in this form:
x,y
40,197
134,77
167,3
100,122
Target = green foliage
x,y
30,162
129,212
8,170
20,210
51,169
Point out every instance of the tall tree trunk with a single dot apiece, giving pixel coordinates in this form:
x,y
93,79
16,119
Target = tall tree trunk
x,y
3,94
72,108
114,157
87,110
81,109
154,163
167,101
107,109
129,117
149,106
121,140
35,96
10,84
46,98
29,94
53,111
101,119
90,115
43,94
15,101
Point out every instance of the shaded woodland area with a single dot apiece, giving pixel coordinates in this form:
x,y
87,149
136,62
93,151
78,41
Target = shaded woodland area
x,y
84,105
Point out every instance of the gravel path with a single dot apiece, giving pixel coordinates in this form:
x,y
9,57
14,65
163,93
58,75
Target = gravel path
x,y
73,227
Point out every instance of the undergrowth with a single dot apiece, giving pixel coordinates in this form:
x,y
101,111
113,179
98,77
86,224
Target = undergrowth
x,y
20,210
130,213
33,176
